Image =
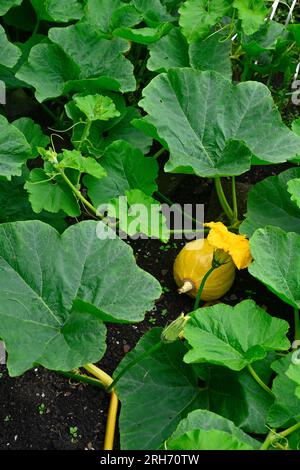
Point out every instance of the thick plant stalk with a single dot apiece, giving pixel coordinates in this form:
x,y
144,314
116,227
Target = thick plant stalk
x,y
159,153
268,441
200,290
104,378
82,378
290,430
222,199
107,382
111,422
234,199
273,436
85,133
79,195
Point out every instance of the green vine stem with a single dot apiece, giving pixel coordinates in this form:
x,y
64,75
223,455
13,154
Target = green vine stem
x,y
259,381
200,290
131,364
234,200
268,441
223,200
36,28
82,378
290,430
79,195
274,436
159,153
297,324
82,198
85,133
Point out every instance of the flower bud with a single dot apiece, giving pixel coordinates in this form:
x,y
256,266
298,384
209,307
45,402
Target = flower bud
x,y
49,155
220,257
173,331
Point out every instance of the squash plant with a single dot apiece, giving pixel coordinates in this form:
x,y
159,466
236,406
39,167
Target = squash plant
x,y
112,85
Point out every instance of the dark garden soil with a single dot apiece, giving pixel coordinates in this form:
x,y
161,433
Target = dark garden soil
x,y
38,409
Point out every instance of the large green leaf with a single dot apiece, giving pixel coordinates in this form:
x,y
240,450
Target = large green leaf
x,y
126,169
33,133
212,53
199,439
14,149
251,13
153,11
48,70
233,336
198,16
286,408
96,107
164,384
265,39
143,35
61,11
15,206
170,51
108,15
237,396
10,53
207,421
294,190
296,126
199,116
81,59
50,194
145,125
5,5
156,394
9,75
269,203
43,273
295,29
74,160
173,50
277,262
294,440
103,133
293,371
95,55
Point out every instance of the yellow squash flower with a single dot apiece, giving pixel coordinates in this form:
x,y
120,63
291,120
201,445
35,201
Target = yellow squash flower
x,y
236,245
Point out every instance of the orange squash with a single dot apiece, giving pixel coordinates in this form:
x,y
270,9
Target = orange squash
x,y
191,265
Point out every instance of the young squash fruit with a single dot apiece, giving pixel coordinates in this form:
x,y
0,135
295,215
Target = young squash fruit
x,y
191,265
